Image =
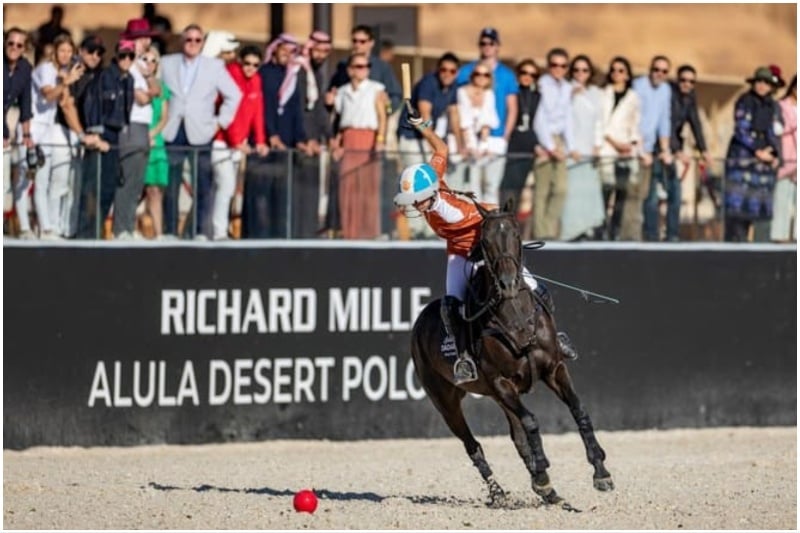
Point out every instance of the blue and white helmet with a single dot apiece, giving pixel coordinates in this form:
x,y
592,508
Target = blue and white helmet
x,y
417,183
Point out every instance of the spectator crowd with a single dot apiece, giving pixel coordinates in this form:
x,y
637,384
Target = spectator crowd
x,y
218,140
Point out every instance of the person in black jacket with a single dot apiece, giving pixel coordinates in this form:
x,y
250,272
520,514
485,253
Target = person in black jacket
x,y
106,110
16,91
684,109
523,144
753,157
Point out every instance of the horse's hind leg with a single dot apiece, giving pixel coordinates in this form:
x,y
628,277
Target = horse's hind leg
x,y
560,382
447,400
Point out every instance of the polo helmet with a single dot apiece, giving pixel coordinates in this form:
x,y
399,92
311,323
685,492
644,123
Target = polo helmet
x,y
417,183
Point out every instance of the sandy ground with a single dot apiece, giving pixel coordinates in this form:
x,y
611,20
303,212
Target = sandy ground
x,y
727,478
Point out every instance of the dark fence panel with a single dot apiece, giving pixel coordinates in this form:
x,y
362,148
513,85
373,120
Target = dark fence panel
x,y
257,343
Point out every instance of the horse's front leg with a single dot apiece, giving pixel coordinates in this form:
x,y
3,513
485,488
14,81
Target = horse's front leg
x,y
560,382
527,439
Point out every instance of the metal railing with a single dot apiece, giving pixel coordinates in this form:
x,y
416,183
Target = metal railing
x,y
293,195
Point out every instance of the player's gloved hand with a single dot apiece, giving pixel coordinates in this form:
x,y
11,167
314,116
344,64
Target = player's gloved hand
x,y
414,118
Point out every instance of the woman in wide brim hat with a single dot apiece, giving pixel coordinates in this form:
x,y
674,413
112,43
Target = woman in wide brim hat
x,y
753,156
138,28
766,74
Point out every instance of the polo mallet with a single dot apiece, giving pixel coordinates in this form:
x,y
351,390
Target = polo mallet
x,y
403,229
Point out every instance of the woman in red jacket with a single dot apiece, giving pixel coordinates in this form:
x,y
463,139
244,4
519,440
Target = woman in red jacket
x,y
230,144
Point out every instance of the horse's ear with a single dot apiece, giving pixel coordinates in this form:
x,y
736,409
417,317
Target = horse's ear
x,y
509,207
482,210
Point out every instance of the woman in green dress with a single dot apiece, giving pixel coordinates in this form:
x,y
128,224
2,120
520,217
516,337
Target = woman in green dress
x,y
157,175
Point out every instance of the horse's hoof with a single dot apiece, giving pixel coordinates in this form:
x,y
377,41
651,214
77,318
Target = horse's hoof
x,y
548,494
497,497
497,501
604,484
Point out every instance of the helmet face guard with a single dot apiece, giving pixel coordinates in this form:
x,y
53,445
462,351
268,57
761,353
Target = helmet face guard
x,y
417,184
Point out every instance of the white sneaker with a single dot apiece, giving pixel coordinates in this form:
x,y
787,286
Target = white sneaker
x,y
50,236
200,237
167,237
124,236
27,235
137,236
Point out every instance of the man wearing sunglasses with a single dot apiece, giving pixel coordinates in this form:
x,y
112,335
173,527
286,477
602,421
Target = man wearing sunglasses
x,y
505,92
363,40
16,92
194,82
683,110
434,96
553,126
655,127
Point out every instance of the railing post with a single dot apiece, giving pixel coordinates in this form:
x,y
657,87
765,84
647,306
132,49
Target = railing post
x,y
98,219
195,185
290,177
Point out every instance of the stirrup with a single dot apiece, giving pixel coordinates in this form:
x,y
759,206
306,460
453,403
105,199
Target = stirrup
x,y
464,369
566,347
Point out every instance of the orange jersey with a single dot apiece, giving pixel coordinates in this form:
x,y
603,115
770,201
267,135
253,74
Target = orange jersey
x,y
453,217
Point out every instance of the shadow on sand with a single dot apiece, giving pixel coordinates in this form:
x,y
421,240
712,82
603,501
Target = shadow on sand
x,y
325,494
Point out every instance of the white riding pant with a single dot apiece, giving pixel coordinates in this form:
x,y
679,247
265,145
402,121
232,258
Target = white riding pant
x,y
224,167
61,195
459,270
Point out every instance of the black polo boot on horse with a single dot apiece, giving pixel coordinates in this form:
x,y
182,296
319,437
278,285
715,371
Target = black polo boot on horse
x,y
564,342
464,369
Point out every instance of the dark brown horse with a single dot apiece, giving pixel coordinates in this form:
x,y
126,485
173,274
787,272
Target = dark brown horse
x,y
513,335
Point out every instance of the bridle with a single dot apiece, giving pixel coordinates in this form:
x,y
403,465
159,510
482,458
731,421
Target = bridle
x,y
492,263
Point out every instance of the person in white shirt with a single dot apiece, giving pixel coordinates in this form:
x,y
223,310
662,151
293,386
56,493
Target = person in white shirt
x,y
361,105
553,126
50,83
477,116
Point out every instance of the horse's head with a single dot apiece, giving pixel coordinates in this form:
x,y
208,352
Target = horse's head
x,y
501,244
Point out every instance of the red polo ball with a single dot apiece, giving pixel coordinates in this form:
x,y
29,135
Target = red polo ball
x,y
305,501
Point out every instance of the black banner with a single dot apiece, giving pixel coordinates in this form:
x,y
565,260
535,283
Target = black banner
x,y
121,346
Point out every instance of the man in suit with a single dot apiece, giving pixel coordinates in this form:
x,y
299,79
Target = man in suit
x,y
194,82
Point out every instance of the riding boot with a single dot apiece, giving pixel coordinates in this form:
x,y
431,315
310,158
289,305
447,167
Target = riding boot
x,y
564,342
464,369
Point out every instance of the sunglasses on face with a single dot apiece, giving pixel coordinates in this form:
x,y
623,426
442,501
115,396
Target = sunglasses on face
x,y
95,51
656,70
487,43
619,71
125,55
15,44
360,41
361,66
528,73
481,74
558,65
152,60
193,40
580,69
690,81
253,64
445,70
